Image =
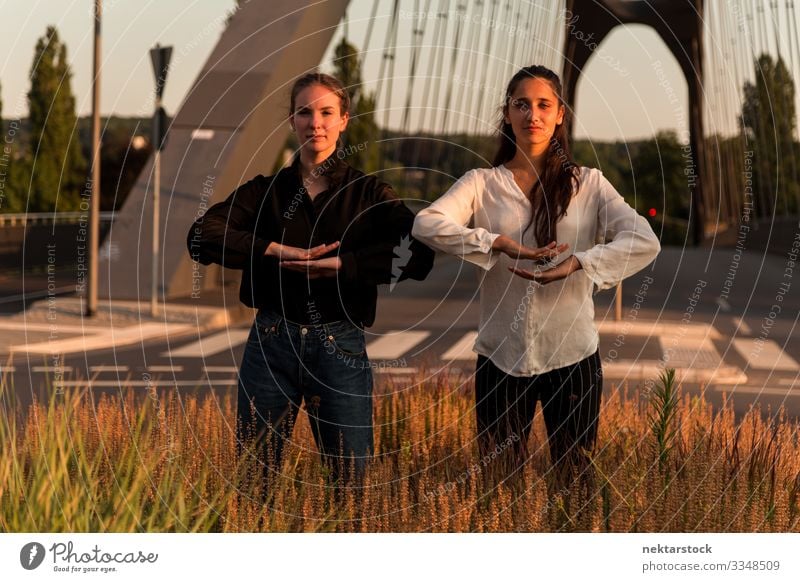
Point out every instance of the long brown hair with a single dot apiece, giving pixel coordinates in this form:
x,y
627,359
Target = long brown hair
x,y
327,81
551,194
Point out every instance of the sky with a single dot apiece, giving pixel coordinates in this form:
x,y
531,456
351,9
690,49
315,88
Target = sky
x,y
609,107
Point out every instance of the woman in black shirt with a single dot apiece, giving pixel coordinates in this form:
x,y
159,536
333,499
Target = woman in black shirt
x,y
313,241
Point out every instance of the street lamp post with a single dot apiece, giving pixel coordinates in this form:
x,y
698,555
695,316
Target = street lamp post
x,y
90,307
160,57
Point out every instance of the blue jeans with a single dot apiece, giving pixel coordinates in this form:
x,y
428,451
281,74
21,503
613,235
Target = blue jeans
x,y
322,366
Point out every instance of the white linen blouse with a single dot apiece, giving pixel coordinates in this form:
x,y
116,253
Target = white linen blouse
x,y
527,328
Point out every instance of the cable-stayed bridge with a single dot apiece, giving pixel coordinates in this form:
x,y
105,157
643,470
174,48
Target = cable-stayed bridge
x,y
437,68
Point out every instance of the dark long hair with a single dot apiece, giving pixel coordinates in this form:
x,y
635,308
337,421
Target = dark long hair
x,y
551,194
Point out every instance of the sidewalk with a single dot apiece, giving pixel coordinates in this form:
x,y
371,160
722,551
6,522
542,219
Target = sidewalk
x,y
57,325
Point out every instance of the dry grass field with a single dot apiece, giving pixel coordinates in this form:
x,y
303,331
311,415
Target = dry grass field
x,y
167,462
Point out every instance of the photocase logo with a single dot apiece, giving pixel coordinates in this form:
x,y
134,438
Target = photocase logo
x,y
31,555
402,254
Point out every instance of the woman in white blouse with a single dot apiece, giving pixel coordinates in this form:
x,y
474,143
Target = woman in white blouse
x,y
548,234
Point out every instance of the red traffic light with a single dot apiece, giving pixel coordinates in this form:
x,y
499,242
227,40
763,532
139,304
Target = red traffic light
x,y
652,212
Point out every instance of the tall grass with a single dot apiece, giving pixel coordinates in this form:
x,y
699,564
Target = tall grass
x,y
168,463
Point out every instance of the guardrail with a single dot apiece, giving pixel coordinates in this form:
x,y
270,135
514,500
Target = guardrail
x,y
25,218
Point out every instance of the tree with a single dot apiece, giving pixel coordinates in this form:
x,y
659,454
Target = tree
x,y
57,166
362,129
768,123
5,167
662,183
10,178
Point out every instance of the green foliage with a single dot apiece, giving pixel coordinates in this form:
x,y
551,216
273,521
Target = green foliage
x,y
17,174
12,170
648,174
120,161
362,131
661,182
57,166
662,416
768,122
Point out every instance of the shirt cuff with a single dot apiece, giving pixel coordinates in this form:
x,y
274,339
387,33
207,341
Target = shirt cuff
x,y
586,265
484,257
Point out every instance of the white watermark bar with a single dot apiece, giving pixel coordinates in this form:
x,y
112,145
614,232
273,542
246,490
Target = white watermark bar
x,y
389,557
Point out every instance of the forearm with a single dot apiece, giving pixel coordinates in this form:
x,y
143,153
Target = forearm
x,y
211,241
443,234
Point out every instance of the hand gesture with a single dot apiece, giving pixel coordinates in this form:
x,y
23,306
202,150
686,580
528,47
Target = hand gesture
x,y
287,253
556,273
315,269
515,250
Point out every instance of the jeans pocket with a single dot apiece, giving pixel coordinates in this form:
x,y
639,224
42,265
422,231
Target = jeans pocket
x,y
265,327
348,340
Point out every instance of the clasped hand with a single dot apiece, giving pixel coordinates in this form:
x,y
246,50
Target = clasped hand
x,y
307,261
517,251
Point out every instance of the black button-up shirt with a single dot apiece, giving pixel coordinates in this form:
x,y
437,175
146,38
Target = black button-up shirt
x,y
360,211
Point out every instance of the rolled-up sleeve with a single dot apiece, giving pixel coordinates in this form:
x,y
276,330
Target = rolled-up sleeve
x,y
629,243
444,224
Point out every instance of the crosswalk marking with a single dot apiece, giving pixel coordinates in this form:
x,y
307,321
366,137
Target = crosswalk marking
x,y
462,349
392,371
108,368
210,345
111,338
165,369
394,344
762,390
742,326
691,352
648,370
765,355
61,369
147,383
220,369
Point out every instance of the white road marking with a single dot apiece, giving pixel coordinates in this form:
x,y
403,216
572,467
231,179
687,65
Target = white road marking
x,y
165,369
220,369
649,370
51,327
742,325
765,355
389,370
210,345
691,352
666,331
146,383
394,344
62,369
108,368
765,390
114,338
462,349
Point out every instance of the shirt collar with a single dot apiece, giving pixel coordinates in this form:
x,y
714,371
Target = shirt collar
x,y
333,168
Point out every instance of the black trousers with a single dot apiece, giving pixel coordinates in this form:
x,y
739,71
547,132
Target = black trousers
x,y
570,398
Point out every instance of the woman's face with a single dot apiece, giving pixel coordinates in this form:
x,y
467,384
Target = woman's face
x,y
534,111
318,120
